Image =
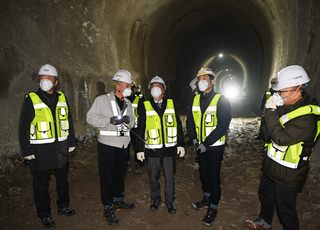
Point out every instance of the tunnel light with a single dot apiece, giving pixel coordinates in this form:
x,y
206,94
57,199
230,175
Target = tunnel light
x,y
220,55
227,70
232,93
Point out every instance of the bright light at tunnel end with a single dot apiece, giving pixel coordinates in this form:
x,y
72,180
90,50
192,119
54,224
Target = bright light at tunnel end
x,y
232,93
220,55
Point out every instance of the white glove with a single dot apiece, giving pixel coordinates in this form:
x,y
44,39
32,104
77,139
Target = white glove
x,y
30,157
277,99
181,151
140,156
71,149
271,103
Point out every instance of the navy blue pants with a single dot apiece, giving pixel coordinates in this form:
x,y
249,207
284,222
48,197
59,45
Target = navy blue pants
x,y
41,194
210,164
112,168
273,195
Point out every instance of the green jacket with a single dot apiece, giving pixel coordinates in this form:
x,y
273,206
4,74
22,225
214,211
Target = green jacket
x,y
300,129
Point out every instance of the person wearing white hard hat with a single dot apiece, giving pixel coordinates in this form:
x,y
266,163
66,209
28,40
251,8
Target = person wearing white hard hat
x,y
160,126
208,120
290,131
46,135
113,115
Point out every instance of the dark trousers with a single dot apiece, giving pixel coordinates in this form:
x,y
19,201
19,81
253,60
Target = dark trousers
x,y
41,194
169,168
272,194
210,164
112,168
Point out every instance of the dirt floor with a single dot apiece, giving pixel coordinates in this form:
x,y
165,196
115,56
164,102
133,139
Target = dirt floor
x,y
240,176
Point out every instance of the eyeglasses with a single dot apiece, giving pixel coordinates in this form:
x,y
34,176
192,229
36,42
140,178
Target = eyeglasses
x,y
284,91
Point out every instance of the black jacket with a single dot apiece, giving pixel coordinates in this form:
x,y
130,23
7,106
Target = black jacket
x,y
47,156
164,151
300,129
224,116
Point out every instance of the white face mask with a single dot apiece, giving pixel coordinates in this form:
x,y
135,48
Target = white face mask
x,y
126,92
203,85
156,91
278,99
46,85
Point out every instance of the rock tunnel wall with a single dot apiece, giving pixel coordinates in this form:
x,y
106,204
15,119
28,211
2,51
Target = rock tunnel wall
x,y
87,41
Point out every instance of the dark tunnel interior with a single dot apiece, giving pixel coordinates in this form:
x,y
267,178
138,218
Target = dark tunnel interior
x,y
234,40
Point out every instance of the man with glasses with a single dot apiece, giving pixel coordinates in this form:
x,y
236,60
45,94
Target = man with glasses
x,y
290,131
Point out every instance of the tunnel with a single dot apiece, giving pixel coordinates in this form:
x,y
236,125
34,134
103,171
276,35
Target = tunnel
x,y
244,42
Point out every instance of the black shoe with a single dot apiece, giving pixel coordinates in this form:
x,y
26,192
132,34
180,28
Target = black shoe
x,y
209,218
109,216
122,205
66,211
48,222
138,168
155,204
204,203
171,208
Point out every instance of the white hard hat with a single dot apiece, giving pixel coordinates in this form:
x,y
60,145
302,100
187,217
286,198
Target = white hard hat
x,y
193,84
157,79
123,76
205,71
48,70
291,76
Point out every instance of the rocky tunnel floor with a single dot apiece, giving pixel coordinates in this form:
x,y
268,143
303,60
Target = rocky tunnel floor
x,y
240,176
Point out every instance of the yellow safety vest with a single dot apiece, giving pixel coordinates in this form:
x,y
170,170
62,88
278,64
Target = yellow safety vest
x,y
155,126
289,156
206,123
135,110
42,128
268,94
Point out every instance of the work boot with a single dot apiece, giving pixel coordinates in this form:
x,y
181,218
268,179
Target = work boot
x,y
138,168
155,204
109,216
128,166
204,203
48,222
171,208
210,216
257,224
66,211
122,205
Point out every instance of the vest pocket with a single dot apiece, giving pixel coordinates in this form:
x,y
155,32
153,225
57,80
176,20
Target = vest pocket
x,y
64,125
153,136
63,113
172,134
44,130
169,120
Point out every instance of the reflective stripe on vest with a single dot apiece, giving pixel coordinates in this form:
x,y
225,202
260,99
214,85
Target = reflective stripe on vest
x,y
289,156
122,130
135,110
153,132
42,128
206,123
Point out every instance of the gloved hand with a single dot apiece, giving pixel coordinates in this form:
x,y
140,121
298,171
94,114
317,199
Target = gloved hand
x,y
30,157
126,119
140,156
116,120
195,143
181,151
271,103
277,99
201,149
71,149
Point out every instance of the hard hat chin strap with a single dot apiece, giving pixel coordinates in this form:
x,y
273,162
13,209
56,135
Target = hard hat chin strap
x,y
289,97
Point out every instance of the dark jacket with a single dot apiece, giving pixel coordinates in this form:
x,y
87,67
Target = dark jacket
x,y
164,151
47,156
224,116
300,129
